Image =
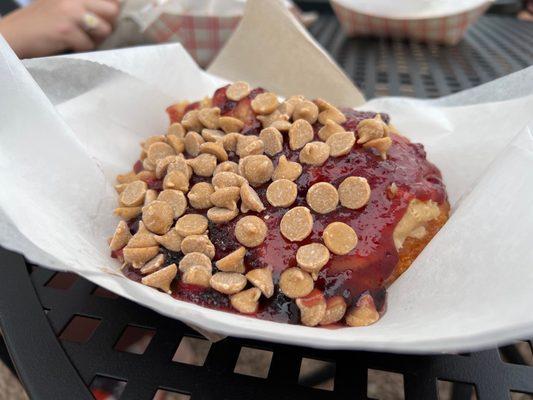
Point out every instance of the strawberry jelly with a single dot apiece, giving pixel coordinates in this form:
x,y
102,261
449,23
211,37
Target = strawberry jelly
x,y
369,265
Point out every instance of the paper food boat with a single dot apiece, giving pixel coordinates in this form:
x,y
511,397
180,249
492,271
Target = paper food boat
x,y
201,26
70,124
433,21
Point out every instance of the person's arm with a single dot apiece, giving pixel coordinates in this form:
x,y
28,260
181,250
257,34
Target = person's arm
x,y
48,27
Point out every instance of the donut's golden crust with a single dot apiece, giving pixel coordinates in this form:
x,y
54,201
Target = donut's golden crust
x,y
413,247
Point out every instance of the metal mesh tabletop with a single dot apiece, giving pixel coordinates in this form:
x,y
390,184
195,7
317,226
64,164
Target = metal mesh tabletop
x,y
69,338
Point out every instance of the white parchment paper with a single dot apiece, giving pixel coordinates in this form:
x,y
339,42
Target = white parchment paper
x,y
70,124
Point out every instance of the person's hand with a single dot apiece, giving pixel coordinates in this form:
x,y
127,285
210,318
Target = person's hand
x,y
47,27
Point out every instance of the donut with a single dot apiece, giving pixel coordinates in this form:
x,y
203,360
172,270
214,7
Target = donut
x,y
293,211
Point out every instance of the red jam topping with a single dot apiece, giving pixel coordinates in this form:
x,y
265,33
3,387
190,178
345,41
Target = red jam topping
x,y
369,265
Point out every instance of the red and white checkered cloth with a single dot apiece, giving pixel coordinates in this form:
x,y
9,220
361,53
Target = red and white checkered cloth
x,y
202,36
447,30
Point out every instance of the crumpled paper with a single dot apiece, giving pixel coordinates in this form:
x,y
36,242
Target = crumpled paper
x,y
70,124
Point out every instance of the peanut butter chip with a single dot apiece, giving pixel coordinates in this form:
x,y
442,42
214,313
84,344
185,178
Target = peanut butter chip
x,y
257,169
191,122
314,153
159,150
354,192
133,194
281,125
340,143
146,176
176,129
151,140
148,165
158,217
162,164
335,310
141,248
121,236
199,195
230,141
296,224
228,282
191,224
250,199
198,244
247,301
273,141
300,134
287,170
237,91
306,110
220,215
212,135
226,197
138,256
150,196
203,165
287,107
127,178
153,265
192,142
370,129
382,145
250,231
209,117
192,259
227,166
312,308
323,104
120,187
249,145
333,114
322,197
170,240
233,262
177,144
176,180
180,164
127,213
329,129
198,275
215,149
312,257
265,103
161,279
340,238
364,313
226,179
268,120
282,193
261,278
176,199
294,282
230,124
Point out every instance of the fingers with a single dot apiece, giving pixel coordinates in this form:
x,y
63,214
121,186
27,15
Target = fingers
x,y
78,40
107,10
95,26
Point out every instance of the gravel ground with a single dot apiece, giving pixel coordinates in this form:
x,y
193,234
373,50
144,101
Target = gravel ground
x,y
10,388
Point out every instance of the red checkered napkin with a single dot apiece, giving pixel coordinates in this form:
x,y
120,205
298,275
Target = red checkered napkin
x,y
202,36
447,29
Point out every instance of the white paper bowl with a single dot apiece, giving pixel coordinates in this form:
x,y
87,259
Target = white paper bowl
x,y
425,21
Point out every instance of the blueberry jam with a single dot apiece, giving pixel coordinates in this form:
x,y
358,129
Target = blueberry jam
x,y
369,265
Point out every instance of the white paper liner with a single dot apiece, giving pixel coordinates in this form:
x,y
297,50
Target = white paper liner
x,y
60,150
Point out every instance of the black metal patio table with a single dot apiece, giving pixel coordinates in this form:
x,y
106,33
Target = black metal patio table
x,y
40,308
